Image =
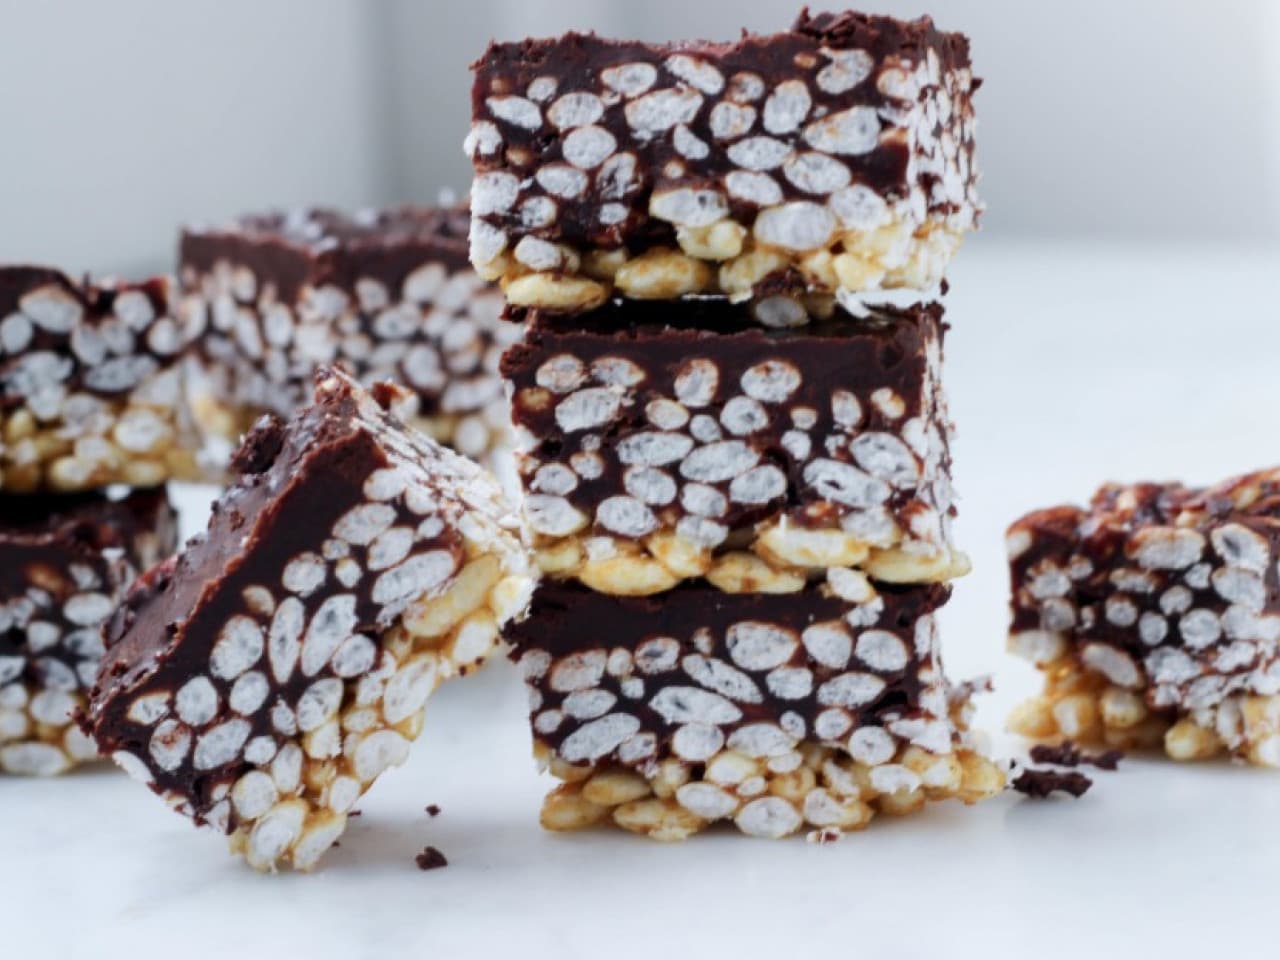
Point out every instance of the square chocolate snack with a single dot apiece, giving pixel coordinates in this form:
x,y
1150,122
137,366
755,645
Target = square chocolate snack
x,y
665,441
388,295
65,563
839,152
265,678
816,708
1155,616
90,384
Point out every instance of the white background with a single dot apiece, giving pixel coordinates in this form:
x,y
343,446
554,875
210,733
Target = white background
x,y
1116,321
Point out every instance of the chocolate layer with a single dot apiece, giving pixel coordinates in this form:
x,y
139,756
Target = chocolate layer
x,y
689,414
388,295
59,337
65,564
621,678
321,247
1159,588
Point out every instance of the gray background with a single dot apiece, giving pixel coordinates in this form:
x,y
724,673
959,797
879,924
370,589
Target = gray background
x,y
1101,120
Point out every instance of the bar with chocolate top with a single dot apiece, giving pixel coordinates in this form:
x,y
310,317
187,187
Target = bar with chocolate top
x,y
65,563
660,442
839,152
90,384
1154,614
265,678
818,708
389,295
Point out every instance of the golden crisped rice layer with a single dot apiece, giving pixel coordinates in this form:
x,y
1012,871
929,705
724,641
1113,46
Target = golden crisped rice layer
x,y
1079,704
122,442
816,787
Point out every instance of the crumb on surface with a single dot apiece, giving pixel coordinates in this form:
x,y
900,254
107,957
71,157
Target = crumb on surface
x,y
1067,754
1041,783
430,859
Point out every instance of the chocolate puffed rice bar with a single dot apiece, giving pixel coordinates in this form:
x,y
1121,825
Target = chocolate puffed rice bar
x,y
389,295
665,441
821,708
65,563
839,153
90,384
1155,617
265,678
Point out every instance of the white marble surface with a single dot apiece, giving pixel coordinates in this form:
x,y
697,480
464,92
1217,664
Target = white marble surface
x,y
1066,367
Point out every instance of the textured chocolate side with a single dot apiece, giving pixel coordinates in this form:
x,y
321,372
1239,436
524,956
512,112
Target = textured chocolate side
x,y
321,247
1158,587
687,417
58,337
820,707
65,563
388,296
90,384
638,679
1169,598
788,144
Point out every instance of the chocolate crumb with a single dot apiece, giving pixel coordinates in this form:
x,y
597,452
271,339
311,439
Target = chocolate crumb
x,y
259,448
433,810
1108,760
1041,783
356,813
430,858
1067,754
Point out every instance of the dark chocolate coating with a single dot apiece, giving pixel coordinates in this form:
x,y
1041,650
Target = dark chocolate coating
x,y
575,61
262,345
96,301
886,352
567,618
323,246
53,548
1204,625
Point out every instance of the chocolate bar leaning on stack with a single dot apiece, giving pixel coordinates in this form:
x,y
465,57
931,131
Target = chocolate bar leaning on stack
x,y
264,678
91,403
388,295
736,469
1155,616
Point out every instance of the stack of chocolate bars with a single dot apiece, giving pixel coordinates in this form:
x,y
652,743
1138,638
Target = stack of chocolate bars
x,y
736,466
91,405
388,295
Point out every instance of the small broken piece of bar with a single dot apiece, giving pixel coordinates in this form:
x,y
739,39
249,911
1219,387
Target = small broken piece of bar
x,y
667,713
664,442
388,294
90,386
263,680
65,563
1155,617
430,859
839,152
